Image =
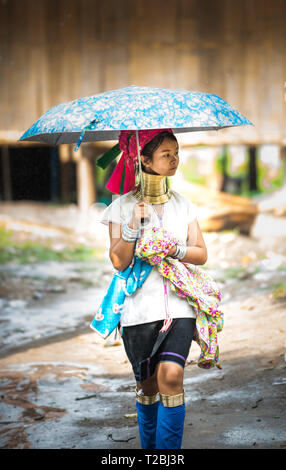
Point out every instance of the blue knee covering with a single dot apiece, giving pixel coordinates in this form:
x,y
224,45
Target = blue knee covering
x,y
147,423
170,426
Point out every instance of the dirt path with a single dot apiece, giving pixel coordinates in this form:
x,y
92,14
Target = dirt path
x,y
62,386
76,392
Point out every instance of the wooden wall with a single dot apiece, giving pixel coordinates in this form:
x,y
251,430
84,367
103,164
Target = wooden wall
x,y
53,51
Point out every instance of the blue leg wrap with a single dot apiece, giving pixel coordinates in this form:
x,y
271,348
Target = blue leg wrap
x,y
147,423
170,426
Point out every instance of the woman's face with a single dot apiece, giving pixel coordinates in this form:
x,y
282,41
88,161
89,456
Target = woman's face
x,y
165,159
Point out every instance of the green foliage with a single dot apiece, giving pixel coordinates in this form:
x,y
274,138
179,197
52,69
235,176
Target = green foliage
x,y
279,291
190,173
222,164
275,183
32,252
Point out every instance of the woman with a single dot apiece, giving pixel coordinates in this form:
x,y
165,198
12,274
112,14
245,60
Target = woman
x,y
157,354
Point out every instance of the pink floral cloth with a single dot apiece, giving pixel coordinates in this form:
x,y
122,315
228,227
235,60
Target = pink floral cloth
x,y
190,282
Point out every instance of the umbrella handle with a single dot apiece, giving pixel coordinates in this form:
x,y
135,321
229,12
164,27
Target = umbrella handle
x,y
139,164
143,219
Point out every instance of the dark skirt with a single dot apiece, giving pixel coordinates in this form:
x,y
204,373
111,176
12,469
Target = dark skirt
x,y
146,346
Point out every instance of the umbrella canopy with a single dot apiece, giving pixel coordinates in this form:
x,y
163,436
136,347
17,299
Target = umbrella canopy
x,y
102,116
105,115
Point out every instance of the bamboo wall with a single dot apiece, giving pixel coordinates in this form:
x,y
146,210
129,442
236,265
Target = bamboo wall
x,y
53,51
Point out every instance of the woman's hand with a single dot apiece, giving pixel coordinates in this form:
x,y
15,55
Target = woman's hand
x,y
172,251
140,210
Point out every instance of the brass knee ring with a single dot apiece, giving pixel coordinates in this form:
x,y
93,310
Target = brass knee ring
x,y
145,399
172,400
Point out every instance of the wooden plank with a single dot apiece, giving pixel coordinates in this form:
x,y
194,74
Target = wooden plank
x,y
209,29
104,46
234,75
114,21
5,117
158,67
153,56
37,86
92,49
187,25
271,104
187,45
153,22
115,73
69,77
16,72
188,70
54,50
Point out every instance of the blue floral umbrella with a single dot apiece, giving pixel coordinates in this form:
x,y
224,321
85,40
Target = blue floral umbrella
x,y
133,108
102,117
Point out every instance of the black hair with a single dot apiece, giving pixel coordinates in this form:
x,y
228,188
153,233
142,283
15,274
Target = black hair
x,y
150,148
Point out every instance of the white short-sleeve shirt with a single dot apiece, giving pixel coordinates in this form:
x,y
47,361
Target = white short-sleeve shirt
x,y
147,304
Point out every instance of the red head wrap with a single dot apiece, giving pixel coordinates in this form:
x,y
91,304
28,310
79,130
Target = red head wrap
x,y
129,157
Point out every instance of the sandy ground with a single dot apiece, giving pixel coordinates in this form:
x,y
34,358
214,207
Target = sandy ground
x,y
62,386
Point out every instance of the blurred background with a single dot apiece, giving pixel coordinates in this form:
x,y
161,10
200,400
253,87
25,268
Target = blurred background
x,y
57,51
53,250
